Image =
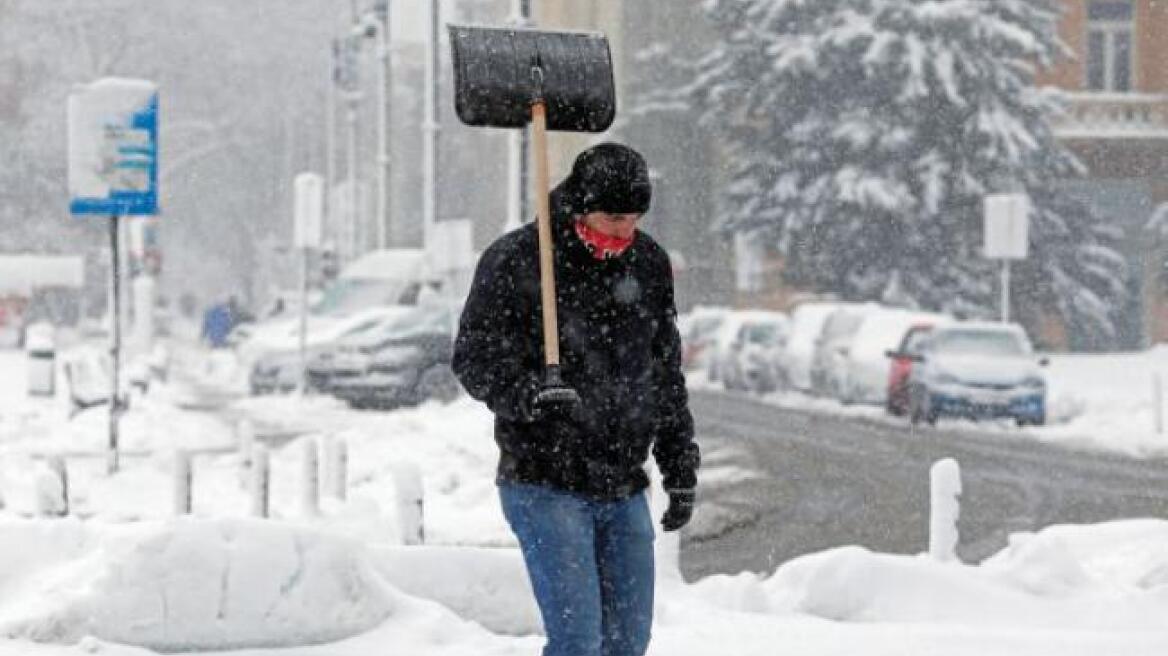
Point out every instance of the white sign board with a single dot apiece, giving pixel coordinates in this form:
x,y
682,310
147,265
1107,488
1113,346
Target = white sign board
x,y
113,147
1007,226
309,208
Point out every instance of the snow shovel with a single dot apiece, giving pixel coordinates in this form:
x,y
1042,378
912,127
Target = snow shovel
x,y
505,78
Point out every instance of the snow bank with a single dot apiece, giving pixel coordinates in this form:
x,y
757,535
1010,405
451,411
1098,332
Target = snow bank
x,y
1105,401
186,584
488,586
1110,577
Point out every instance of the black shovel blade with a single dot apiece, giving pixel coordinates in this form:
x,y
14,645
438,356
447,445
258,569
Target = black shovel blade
x,y
495,78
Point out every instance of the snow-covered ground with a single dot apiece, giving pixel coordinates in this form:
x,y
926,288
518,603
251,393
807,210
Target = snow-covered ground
x,y
123,571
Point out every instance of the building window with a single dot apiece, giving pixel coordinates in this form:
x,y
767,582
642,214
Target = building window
x,y
1109,45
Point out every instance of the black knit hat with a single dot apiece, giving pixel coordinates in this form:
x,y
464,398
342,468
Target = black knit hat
x,y
610,177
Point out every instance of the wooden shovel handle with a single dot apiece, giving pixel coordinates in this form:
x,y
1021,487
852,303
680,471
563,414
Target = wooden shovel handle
x,y
547,273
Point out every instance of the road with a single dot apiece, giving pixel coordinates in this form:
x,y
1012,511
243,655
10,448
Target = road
x,y
779,483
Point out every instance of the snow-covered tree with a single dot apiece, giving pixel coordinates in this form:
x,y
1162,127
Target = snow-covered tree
x,y
863,135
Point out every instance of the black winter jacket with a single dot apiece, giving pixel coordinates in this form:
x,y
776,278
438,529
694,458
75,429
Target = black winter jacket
x,y
619,348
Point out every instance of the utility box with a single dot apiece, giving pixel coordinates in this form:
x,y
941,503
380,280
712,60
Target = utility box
x,y
41,348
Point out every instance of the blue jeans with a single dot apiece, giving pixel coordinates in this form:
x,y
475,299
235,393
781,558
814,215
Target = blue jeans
x,y
591,567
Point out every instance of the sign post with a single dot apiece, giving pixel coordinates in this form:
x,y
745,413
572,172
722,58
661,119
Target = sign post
x,y
309,206
113,172
1007,236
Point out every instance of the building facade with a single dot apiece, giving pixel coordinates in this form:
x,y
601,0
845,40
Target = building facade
x,y
1116,80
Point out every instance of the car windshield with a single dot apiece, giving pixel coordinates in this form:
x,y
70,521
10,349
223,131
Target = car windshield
x,y
979,342
914,339
761,333
350,295
703,327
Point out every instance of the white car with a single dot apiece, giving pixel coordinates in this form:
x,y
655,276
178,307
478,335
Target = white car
x,y
832,346
698,329
806,324
273,360
864,377
977,370
747,352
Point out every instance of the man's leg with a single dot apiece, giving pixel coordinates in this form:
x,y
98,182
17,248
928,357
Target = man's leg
x,y
556,532
624,551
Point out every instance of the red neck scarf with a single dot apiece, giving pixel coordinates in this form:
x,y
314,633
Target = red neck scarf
x,y
602,246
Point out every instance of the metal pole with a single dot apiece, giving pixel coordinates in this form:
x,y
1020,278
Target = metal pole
x,y
330,137
430,130
1005,291
351,191
303,382
383,128
115,408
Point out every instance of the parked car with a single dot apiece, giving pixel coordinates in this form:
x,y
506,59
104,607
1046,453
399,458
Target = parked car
x,y
328,358
383,278
407,362
698,329
273,361
806,325
747,355
832,346
977,371
864,377
900,368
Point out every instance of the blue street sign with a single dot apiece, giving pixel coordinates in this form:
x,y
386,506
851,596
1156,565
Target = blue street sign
x,y
113,148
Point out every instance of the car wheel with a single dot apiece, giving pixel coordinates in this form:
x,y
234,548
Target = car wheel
x,y
918,408
438,383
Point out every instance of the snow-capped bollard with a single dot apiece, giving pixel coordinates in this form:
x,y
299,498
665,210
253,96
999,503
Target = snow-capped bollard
x,y
339,478
310,480
52,488
944,509
245,441
411,507
328,454
667,547
261,483
183,478
1158,402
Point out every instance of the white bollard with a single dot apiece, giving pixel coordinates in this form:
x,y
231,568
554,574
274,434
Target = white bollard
x,y
328,457
944,509
411,507
667,547
340,475
261,483
183,479
52,488
245,441
310,480
1158,402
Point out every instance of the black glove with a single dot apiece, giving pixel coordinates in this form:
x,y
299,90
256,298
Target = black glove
x,y
555,401
681,507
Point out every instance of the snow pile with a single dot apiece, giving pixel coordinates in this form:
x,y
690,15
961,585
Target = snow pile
x,y
186,584
1109,577
1107,401
1123,557
488,586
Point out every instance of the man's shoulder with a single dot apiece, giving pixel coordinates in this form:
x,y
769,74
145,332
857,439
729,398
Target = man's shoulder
x,y
509,246
653,253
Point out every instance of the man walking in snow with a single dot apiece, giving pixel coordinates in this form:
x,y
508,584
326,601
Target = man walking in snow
x,y
571,472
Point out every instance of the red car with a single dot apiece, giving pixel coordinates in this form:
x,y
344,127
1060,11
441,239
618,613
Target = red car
x,y
901,367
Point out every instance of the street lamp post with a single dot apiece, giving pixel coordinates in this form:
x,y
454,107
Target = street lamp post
x,y
376,25
430,128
